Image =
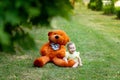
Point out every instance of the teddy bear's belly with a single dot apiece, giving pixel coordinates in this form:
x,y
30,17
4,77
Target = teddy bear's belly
x,y
52,55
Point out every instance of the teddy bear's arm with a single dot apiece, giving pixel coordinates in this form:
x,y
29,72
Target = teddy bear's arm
x,y
44,49
61,52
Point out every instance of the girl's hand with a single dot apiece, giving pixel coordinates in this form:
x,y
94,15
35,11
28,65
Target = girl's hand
x,y
81,64
65,59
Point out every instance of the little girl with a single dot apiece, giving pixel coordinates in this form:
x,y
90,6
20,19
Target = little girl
x,y
73,54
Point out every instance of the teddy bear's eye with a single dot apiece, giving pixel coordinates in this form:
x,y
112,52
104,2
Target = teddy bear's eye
x,y
55,33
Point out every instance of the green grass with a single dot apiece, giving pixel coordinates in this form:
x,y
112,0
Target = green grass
x,y
96,36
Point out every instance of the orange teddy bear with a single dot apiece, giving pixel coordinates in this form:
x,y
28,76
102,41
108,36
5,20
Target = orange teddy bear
x,y
54,50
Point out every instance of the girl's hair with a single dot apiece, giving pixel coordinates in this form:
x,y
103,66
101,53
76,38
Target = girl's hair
x,y
70,43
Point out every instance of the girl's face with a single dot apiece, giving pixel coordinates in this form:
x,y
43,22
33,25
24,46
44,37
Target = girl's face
x,y
71,48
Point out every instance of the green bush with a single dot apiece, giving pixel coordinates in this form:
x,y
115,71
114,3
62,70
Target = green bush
x,y
117,11
91,2
99,5
95,5
109,8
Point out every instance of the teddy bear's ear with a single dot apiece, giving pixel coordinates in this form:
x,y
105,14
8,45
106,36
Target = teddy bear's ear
x,y
68,39
49,33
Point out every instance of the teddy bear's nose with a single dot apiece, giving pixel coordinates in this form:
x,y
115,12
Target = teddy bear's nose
x,y
56,37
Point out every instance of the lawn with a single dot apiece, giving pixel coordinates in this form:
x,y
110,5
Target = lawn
x,y
96,36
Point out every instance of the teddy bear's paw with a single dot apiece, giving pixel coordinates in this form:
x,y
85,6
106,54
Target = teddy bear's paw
x,y
38,63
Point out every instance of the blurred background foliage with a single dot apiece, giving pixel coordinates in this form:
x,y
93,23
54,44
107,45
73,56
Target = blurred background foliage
x,y
107,6
95,5
108,9
17,15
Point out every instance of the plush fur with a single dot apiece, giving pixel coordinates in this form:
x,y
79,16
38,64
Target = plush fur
x,y
54,50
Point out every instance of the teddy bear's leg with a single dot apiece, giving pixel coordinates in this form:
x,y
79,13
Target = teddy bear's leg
x,y
59,62
41,61
63,63
70,63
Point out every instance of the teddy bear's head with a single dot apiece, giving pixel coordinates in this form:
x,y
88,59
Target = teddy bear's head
x,y
58,36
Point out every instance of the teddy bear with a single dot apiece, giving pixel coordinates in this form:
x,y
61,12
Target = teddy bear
x,y
54,50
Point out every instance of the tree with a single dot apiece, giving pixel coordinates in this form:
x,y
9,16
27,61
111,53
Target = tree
x,y
16,13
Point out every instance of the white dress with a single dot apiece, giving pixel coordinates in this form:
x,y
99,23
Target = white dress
x,y
75,56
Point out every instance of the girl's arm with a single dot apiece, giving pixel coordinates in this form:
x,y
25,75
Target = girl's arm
x,y
79,59
65,59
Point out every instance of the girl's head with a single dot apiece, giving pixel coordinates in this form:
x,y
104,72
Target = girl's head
x,y
71,47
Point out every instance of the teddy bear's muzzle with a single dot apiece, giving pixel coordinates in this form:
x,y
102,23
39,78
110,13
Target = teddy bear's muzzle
x,y
56,37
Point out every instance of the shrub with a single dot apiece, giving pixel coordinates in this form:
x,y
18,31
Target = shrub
x,y
99,5
95,5
91,2
117,11
109,8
